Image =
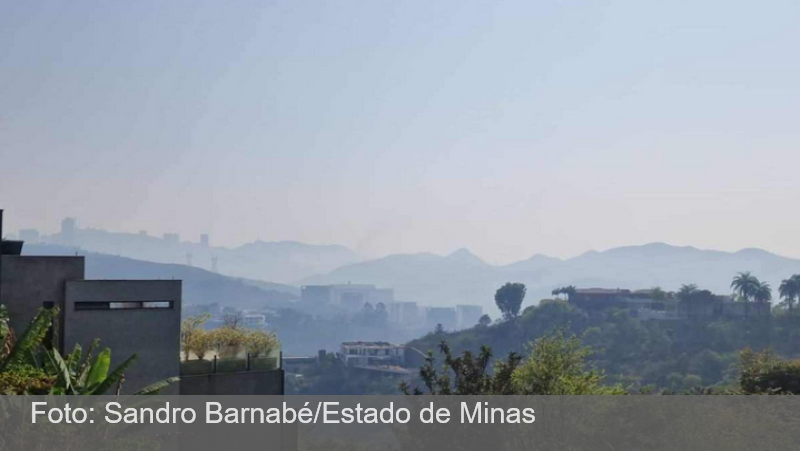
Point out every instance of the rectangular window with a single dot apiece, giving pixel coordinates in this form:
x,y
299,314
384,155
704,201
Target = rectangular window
x,y
122,305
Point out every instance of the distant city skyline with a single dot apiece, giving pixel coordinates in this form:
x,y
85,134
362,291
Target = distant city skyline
x,y
510,128
177,237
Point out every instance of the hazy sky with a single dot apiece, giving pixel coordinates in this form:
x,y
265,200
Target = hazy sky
x,y
510,128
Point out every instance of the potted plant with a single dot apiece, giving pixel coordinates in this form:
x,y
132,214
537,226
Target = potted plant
x,y
228,342
259,342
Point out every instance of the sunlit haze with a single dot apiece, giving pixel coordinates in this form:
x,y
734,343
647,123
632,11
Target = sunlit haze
x,y
509,128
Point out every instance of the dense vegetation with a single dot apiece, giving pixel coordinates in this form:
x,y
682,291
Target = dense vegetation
x,y
674,355
332,377
29,364
227,341
556,365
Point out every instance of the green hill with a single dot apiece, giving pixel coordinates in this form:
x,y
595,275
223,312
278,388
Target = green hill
x,y
668,354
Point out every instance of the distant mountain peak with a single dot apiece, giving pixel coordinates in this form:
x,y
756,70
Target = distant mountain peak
x,y
534,262
541,257
466,256
656,247
753,251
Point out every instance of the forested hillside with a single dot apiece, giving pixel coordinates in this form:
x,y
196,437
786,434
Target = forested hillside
x,y
674,355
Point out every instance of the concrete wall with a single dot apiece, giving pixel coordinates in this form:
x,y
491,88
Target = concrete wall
x,y
152,334
244,383
30,282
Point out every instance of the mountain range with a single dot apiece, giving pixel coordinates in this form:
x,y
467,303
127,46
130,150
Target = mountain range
x,y
275,261
458,278
463,278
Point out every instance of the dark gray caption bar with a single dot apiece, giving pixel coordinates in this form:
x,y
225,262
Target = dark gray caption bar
x,y
401,423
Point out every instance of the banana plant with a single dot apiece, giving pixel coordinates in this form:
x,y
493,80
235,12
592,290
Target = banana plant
x,y
6,338
23,350
90,375
75,374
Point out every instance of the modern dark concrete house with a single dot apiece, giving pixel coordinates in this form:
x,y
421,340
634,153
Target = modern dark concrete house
x,y
603,298
643,304
139,317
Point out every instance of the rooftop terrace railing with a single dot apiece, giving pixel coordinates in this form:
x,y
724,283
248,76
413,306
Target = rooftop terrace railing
x,y
217,365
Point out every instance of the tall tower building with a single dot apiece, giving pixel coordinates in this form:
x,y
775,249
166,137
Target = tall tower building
x,y
68,227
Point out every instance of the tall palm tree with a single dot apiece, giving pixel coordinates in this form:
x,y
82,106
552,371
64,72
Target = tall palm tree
x,y
686,291
763,293
789,290
747,285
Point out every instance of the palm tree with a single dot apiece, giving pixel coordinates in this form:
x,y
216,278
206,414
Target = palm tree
x,y
747,285
789,290
686,291
763,293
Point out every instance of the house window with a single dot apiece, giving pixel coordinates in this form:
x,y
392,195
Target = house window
x,y
122,305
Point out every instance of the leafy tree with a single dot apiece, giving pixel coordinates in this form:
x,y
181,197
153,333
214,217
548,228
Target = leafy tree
x,y
201,343
192,333
557,366
766,373
694,301
259,342
658,294
509,299
484,321
467,374
227,341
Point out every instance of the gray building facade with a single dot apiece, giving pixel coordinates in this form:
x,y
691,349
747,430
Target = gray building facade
x,y
139,317
129,317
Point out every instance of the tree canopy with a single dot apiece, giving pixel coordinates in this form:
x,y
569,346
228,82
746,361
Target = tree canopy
x,y
509,299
